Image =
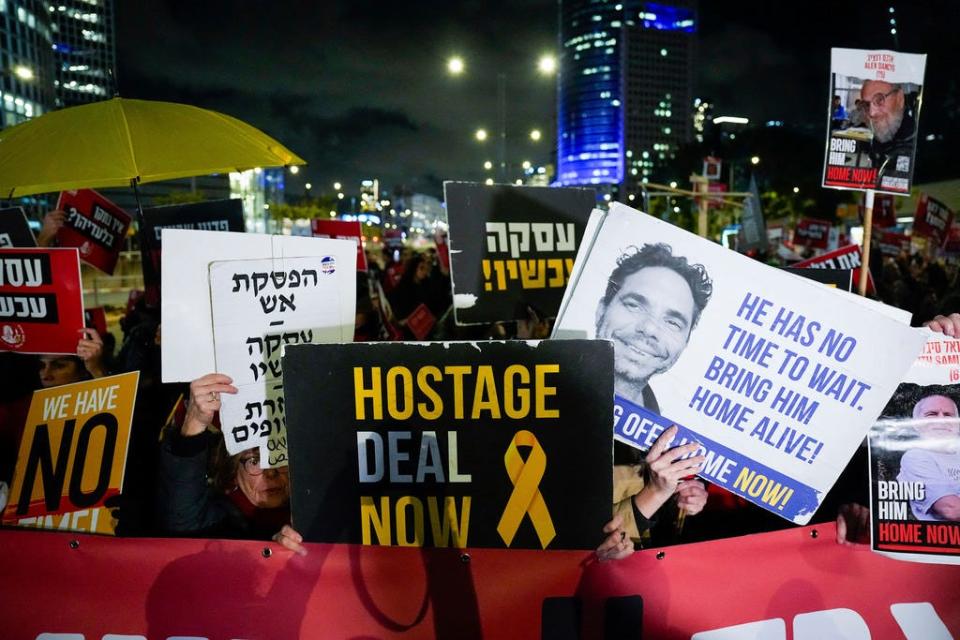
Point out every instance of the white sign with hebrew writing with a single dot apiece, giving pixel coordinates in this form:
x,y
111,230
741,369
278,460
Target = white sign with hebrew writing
x,y
259,307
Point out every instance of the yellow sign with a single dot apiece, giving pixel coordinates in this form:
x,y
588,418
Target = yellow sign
x,y
72,455
526,498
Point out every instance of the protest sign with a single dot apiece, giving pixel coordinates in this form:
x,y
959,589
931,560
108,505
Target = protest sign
x,y
343,230
872,119
951,245
187,350
892,243
778,378
932,220
712,167
512,248
14,229
72,455
94,225
812,233
215,215
753,230
259,308
486,444
848,257
839,278
915,460
884,211
41,300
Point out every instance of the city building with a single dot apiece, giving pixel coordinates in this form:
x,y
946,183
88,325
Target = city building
x,y
625,90
27,72
84,46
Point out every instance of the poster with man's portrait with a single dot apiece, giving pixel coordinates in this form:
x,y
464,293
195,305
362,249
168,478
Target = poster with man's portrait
x,y
915,461
872,119
777,378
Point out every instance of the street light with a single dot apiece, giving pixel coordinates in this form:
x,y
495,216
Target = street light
x,y
488,181
488,165
337,186
547,65
294,169
308,186
535,135
526,164
755,160
455,65
481,134
23,72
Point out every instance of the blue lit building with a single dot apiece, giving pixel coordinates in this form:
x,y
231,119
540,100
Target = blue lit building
x,y
625,89
85,50
26,61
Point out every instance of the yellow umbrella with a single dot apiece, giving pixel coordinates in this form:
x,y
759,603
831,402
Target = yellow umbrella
x,y
115,142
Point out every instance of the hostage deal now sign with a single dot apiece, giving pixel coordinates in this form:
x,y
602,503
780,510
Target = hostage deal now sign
x,y
451,444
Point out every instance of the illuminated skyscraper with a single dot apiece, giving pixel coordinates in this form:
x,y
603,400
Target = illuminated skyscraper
x,y
85,50
626,76
26,61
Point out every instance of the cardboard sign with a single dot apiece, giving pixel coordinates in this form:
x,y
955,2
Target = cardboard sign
x,y
14,229
215,215
187,350
812,233
94,225
932,220
486,444
872,119
72,455
915,460
259,308
512,247
343,230
348,591
41,300
777,378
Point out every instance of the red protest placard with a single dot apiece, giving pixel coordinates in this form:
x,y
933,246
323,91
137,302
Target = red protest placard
x,y
41,300
932,220
848,257
812,233
95,226
344,230
420,322
892,243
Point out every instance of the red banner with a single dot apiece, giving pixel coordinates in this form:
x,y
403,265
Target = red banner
x,y
812,233
344,230
41,300
884,211
94,225
892,243
754,586
932,220
848,257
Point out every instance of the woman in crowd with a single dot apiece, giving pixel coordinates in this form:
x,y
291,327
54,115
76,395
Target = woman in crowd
x,y
242,499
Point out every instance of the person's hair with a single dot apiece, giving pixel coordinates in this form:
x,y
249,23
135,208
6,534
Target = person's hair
x,y
661,255
223,466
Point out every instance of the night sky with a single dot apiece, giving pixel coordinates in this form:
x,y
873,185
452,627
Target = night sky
x,y
360,90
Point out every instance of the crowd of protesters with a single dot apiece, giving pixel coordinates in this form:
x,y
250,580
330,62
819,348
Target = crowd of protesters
x,y
181,481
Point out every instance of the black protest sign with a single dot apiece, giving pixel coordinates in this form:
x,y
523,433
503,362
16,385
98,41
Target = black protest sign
x,y
839,278
512,248
491,444
14,229
215,215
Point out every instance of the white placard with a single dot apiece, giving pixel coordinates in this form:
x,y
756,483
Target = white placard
x,y
187,346
259,308
779,378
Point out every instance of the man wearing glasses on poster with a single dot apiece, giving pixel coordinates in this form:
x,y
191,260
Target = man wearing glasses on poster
x,y
890,114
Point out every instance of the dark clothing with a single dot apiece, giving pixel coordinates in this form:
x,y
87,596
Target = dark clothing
x,y
187,505
885,155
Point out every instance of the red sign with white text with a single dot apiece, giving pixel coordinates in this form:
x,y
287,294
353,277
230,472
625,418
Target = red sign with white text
x,y
94,225
848,257
759,585
932,220
812,233
892,243
41,300
342,230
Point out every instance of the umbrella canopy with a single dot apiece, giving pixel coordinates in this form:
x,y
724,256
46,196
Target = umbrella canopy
x,y
110,143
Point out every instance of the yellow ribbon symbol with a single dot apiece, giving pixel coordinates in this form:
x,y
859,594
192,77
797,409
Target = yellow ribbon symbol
x,y
526,498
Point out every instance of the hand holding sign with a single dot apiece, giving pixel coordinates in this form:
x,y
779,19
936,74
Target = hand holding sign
x,y
205,401
616,545
666,469
948,325
90,350
51,225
